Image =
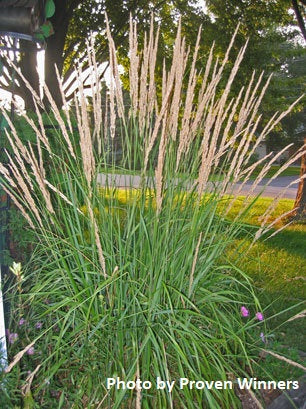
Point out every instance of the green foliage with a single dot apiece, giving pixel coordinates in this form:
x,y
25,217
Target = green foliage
x,y
82,327
162,304
89,17
147,310
136,282
49,8
22,239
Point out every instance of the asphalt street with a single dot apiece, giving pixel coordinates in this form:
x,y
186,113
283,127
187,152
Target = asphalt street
x,y
284,186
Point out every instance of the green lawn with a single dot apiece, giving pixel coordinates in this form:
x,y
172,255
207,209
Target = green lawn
x,y
276,263
278,268
290,171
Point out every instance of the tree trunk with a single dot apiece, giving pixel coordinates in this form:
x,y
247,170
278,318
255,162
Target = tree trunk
x,y
300,201
299,17
54,50
28,66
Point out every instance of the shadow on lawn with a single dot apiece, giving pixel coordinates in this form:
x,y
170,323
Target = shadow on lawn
x,y
290,240
293,241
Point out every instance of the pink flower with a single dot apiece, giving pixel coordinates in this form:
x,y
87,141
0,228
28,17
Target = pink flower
x,y
38,325
22,321
12,337
244,311
262,336
30,351
259,316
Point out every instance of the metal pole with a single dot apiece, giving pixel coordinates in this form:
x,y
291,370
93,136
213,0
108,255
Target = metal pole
x,y
6,240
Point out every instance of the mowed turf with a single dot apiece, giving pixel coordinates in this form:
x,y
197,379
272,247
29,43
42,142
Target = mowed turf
x,y
277,266
277,263
289,171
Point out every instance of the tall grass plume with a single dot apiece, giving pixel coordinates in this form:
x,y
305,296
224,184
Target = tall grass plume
x,y
135,282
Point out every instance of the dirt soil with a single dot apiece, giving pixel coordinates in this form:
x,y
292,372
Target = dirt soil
x,y
248,402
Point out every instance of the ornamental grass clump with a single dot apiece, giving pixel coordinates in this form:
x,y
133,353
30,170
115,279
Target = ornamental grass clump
x,y
131,279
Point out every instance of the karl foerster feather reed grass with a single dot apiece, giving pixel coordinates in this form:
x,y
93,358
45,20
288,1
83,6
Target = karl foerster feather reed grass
x,y
141,287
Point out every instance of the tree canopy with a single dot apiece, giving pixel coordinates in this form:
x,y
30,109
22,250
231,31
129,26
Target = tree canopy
x,y
271,28
74,21
275,31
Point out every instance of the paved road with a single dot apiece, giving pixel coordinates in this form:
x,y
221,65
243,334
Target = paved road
x,y
282,181
274,188
282,184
